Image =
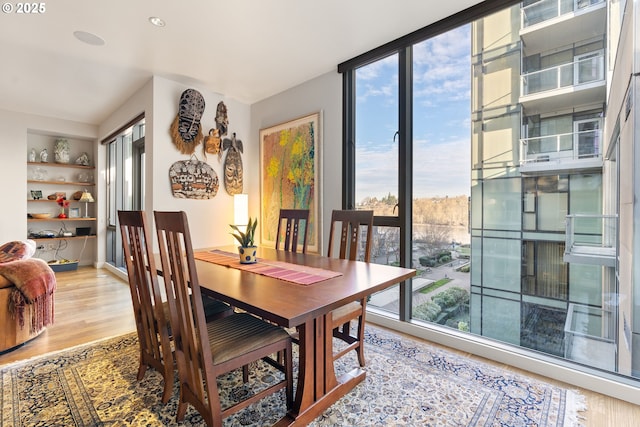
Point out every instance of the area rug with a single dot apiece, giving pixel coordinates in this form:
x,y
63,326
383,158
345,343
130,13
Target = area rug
x,y
408,383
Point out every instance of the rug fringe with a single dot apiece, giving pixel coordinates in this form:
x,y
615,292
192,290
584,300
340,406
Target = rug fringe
x,y
576,406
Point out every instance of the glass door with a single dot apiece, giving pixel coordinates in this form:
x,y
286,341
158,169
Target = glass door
x,y
586,138
588,67
125,184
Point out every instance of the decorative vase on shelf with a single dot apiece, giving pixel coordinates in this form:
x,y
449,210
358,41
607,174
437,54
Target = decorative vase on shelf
x,y
61,151
62,214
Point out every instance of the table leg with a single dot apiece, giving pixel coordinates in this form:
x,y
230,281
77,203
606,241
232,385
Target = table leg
x,y
317,388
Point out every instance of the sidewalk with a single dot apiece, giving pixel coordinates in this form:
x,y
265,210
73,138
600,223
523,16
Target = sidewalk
x,y
388,299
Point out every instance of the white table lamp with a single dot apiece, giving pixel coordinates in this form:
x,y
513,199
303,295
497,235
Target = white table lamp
x,y
241,210
86,199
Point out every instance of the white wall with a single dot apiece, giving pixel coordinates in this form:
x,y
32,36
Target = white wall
x,y
208,219
323,94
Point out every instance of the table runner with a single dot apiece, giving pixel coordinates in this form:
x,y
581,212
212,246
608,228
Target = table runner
x,y
294,273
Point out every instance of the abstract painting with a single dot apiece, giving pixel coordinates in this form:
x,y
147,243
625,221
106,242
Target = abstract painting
x,y
290,175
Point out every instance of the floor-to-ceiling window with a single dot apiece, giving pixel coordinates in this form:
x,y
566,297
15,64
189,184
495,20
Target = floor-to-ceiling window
x,y
483,166
125,181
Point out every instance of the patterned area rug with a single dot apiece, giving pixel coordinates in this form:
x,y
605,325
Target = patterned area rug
x,y
408,383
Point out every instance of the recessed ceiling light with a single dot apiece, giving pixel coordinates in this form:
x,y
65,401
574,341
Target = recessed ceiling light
x,y
158,22
88,38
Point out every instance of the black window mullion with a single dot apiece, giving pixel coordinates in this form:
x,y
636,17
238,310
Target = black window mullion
x,y
405,172
348,138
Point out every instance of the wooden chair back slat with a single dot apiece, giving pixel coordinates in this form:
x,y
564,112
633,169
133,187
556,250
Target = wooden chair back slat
x,y
351,223
293,219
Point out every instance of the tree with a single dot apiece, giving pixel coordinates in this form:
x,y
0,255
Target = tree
x,y
433,238
386,243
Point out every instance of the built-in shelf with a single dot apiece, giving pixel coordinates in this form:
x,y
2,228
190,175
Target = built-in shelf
x,y
52,200
49,181
59,219
35,181
41,239
61,165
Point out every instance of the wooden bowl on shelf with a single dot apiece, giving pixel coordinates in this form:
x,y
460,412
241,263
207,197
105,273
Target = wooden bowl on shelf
x,y
44,215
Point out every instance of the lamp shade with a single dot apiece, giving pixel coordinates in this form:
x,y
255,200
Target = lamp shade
x,y
86,197
241,209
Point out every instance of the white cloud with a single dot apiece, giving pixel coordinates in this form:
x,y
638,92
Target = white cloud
x,y
441,131
442,66
441,169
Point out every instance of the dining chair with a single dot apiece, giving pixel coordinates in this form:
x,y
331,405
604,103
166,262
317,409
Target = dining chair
x,y
354,241
289,223
151,313
150,317
204,350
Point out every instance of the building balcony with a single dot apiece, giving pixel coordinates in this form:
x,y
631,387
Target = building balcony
x,y
567,152
591,239
576,83
589,336
548,22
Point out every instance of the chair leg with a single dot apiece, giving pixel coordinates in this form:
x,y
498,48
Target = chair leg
x,y
288,366
360,337
168,384
182,407
142,368
245,373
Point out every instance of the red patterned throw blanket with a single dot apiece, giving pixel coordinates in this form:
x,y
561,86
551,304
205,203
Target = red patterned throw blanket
x,y
35,284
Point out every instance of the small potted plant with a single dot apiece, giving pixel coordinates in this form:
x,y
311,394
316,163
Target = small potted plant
x,y
247,248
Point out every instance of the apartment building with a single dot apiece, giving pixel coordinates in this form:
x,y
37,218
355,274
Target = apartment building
x,y
545,224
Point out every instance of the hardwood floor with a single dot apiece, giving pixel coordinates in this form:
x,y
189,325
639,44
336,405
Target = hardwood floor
x,y
90,304
93,304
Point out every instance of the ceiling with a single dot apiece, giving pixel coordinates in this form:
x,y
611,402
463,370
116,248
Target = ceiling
x,y
245,50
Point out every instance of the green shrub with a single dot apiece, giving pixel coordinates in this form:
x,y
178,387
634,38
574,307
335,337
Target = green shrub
x,y
451,297
428,311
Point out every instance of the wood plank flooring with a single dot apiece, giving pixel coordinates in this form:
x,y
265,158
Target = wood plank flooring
x,y
92,304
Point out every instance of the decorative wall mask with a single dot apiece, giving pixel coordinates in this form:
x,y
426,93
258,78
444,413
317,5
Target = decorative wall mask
x,y
186,130
232,165
193,179
212,143
222,120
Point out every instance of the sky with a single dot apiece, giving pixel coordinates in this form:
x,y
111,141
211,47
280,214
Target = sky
x,y
441,134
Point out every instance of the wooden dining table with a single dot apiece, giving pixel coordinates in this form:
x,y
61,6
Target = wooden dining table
x,y
305,307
